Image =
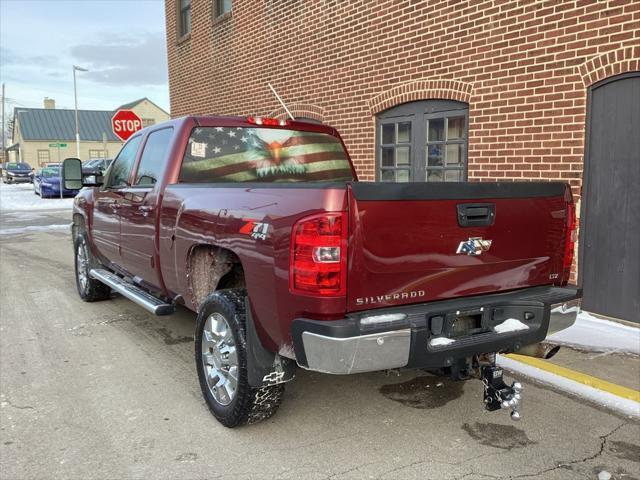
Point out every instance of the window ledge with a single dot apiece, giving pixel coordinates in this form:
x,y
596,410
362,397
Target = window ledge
x,y
185,38
222,18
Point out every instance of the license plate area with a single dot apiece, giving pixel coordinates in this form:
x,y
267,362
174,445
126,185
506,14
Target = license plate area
x,y
481,320
463,323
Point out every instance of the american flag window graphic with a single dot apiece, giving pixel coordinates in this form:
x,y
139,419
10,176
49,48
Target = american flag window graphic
x,y
248,154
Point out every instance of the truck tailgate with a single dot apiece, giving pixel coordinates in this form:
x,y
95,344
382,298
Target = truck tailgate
x,y
419,242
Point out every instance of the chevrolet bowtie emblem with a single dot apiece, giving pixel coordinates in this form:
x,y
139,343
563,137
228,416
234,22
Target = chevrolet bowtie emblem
x,y
474,246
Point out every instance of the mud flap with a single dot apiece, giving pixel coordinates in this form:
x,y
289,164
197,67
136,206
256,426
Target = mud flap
x,y
264,368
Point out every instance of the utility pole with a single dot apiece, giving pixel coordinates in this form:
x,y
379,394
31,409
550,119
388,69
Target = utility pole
x,y
4,152
75,96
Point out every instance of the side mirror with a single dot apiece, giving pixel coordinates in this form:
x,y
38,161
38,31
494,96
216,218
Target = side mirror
x,y
72,177
72,173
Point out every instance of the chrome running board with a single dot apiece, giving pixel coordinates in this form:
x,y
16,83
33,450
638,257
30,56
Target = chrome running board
x,y
133,293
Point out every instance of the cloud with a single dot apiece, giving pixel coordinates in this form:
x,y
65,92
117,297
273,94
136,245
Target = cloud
x,y
16,67
118,59
11,57
7,57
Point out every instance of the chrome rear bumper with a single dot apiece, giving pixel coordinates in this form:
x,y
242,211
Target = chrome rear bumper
x,y
563,315
364,353
404,336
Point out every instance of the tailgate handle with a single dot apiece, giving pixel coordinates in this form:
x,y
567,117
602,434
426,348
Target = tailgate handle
x,y
476,214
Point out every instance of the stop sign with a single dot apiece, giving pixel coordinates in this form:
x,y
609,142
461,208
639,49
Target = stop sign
x,y
125,123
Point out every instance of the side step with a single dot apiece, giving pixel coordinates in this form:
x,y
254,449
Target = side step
x,y
133,293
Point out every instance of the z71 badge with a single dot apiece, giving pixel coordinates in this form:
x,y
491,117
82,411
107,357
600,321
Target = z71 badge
x,y
474,246
256,230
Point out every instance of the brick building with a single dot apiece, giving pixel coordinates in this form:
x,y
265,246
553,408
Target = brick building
x,y
445,90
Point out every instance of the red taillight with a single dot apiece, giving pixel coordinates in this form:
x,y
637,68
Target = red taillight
x,y
269,122
569,236
318,263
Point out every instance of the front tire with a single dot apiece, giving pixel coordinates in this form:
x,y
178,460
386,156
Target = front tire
x,y
89,289
221,362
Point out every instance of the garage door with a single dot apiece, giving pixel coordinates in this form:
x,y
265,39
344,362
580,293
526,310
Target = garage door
x,y
610,233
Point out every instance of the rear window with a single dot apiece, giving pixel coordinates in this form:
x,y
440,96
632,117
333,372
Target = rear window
x,y
49,172
247,154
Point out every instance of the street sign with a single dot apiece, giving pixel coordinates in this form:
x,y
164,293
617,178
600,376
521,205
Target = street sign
x,y
58,145
125,123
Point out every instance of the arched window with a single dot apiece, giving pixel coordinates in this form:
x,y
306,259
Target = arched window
x,y
424,141
309,120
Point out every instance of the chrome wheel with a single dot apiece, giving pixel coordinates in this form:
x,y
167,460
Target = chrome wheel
x,y
220,359
82,266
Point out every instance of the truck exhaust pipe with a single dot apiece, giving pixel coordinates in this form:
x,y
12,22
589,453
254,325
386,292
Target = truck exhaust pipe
x,y
539,350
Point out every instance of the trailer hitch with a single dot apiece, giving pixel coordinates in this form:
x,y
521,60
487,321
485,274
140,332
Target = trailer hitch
x,y
497,394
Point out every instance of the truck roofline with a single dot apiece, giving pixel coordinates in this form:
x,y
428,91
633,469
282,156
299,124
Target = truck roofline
x,y
238,121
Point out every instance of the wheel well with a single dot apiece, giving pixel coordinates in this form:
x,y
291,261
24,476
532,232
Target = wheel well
x,y
213,268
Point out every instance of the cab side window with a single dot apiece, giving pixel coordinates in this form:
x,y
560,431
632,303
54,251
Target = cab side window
x,y
123,164
154,157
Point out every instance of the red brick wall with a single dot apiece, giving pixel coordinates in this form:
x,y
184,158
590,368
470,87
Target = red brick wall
x,y
523,67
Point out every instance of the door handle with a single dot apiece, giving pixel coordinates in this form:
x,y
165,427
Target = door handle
x,y
476,214
221,219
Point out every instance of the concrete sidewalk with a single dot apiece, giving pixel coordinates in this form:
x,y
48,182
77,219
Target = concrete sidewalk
x,y
601,348
621,369
599,361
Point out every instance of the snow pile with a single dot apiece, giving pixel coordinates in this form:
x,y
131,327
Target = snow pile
x,y
510,325
389,317
441,341
21,197
595,334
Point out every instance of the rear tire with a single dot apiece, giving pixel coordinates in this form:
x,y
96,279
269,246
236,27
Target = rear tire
x,y
89,289
221,362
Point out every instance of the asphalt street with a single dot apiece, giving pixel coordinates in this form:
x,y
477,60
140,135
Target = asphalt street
x,y
105,390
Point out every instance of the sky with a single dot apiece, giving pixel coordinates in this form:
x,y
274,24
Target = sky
x,y
120,42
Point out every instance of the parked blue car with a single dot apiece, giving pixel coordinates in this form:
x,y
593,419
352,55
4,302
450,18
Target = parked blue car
x,y
46,183
13,172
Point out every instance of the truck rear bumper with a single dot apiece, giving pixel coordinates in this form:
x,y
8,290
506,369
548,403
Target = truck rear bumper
x,y
436,334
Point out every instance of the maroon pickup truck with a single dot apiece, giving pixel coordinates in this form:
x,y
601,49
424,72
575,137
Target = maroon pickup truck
x,y
262,228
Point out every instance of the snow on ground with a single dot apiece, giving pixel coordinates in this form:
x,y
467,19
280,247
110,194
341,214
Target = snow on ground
x,y
599,335
21,197
34,228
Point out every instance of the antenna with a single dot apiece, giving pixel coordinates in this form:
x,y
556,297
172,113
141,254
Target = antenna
x,y
281,102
